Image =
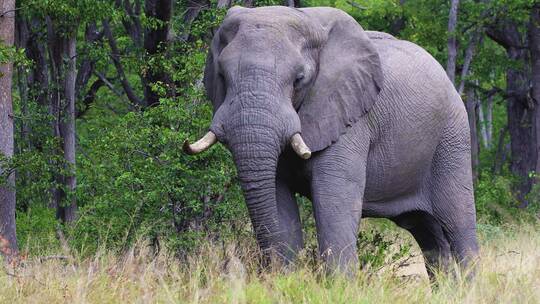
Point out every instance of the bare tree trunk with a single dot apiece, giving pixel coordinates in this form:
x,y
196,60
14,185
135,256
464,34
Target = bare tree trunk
x,y
482,123
452,41
471,105
8,238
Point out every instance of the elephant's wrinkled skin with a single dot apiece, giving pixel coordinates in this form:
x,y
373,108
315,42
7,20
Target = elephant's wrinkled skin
x,y
387,131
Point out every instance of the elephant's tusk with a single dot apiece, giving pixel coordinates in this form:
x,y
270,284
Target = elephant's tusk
x,y
203,144
300,147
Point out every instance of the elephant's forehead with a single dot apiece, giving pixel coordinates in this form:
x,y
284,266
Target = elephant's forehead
x,y
276,16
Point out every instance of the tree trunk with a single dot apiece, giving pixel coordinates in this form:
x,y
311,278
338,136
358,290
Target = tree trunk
x,y
485,116
500,154
8,238
22,36
452,41
534,46
67,211
471,105
489,120
62,48
520,120
156,41
36,50
469,54
521,109
292,3
482,123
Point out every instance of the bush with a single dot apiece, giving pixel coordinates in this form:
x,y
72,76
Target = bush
x,y
494,198
136,181
36,230
497,204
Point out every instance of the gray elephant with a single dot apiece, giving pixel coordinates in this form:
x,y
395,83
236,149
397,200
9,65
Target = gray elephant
x,y
361,123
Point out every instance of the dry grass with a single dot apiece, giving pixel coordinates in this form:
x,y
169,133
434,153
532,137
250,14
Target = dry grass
x,y
509,272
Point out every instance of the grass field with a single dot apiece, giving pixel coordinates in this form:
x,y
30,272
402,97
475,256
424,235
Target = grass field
x,y
509,272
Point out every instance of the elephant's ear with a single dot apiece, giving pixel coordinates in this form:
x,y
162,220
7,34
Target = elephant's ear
x,y
348,80
213,81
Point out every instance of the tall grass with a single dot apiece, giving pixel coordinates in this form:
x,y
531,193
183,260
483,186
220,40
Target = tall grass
x,y
509,272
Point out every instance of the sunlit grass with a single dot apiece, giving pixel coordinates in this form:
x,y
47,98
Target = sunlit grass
x,y
509,272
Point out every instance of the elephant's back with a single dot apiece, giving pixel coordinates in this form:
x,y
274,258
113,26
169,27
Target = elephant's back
x,y
415,104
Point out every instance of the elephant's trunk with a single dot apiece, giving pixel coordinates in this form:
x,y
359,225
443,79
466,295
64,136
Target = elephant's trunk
x,y
255,145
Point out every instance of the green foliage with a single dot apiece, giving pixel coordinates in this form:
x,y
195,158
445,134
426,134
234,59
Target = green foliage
x,y
497,204
378,249
534,200
12,54
494,198
135,179
68,13
36,230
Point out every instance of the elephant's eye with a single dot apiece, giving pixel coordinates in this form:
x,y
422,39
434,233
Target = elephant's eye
x,y
299,79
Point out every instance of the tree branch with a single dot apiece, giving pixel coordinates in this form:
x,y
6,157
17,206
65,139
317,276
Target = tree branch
x,y
132,96
355,5
90,97
506,34
469,53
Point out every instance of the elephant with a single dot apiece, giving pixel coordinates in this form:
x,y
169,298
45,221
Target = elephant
x,y
361,123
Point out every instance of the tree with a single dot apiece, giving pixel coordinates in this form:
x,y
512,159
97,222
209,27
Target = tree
x,y
153,37
534,46
452,41
509,31
472,105
156,40
48,32
62,47
8,239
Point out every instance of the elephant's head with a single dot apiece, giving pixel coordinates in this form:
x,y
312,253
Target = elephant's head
x,y
279,76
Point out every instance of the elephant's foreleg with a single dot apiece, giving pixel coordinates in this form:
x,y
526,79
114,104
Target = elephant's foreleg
x,y
338,207
289,221
338,184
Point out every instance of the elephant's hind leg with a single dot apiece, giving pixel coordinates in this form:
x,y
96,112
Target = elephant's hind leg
x,y
451,193
429,235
